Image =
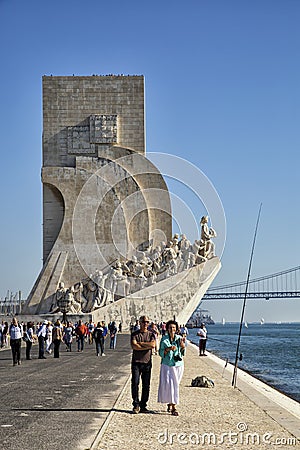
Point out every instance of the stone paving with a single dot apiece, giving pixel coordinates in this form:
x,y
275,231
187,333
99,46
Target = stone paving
x,y
209,418
83,402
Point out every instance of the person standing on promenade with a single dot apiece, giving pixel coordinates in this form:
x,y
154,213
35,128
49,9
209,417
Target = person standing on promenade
x,y
171,370
41,334
4,334
153,328
29,339
163,328
105,333
81,332
16,334
90,327
136,326
99,339
113,335
57,336
142,343
49,342
68,336
203,338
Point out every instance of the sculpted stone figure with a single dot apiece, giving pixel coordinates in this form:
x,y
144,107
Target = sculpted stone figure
x,y
58,296
65,301
170,256
122,283
77,291
207,246
90,293
104,295
74,305
197,247
185,248
111,280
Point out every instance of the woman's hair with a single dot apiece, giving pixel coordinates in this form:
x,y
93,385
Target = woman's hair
x,y
172,322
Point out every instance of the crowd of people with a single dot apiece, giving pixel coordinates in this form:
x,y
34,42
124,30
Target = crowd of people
x,y
49,337
166,339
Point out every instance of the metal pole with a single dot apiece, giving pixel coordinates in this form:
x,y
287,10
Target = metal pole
x,y
244,303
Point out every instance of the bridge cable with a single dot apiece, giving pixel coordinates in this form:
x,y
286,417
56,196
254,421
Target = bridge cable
x,y
244,302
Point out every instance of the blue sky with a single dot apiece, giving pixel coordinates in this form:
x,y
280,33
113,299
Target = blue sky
x,y
222,91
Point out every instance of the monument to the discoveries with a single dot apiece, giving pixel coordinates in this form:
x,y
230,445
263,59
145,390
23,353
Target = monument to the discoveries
x,y
107,225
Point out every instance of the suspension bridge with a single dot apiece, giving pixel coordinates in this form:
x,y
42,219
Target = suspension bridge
x,y
285,284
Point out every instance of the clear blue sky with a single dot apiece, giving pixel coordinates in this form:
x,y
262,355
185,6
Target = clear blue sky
x,y
222,91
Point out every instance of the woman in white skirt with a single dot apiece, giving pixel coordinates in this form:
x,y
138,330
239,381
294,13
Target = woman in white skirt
x,y
171,351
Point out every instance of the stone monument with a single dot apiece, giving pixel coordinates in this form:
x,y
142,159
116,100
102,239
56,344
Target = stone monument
x,y
104,205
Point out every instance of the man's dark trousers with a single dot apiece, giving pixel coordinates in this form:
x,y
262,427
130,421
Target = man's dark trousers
x,y
142,370
41,346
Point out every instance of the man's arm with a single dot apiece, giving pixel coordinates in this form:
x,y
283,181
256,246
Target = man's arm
x,y
142,345
147,345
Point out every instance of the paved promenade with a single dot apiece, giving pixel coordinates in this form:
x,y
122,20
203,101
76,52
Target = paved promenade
x,y
58,404
209,418
83,402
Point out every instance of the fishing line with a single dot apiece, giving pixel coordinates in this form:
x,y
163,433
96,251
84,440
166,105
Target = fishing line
x,y
220,340
244,302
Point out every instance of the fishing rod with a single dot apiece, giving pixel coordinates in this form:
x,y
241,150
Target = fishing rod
x,y
244,302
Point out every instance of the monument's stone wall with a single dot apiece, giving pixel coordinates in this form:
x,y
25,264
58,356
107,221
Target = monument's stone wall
x,y
74,106
85,116
102,198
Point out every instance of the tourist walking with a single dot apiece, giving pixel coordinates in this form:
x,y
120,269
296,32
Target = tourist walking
x,y
171,370
142,343
99,339
163,328
81,332
4,334
1,335
49,343
90,327
68,336
136,326
153,328
105,333
57,336
42,336
202,332
113,335
29,339
16,334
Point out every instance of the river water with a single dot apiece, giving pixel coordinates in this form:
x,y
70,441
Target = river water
x,y
270,351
